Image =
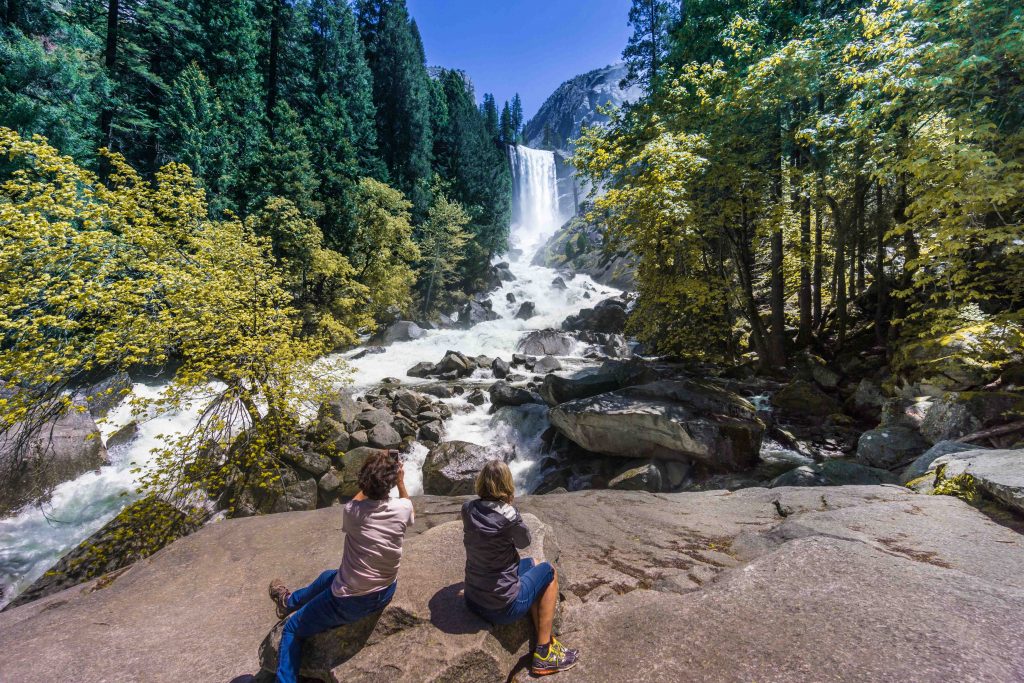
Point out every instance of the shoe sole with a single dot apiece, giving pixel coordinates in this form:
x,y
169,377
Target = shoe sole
x,y
549,672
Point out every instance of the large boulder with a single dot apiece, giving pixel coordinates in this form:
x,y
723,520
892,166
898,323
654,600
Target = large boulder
x,y
504,394
527,310
427,606
957,415
547,364
834,473
400,331
474,313
450,468
670,420
455,363
890,448
998,474
644,475
608,317
107,394
757,576
804,401
546,343
923,463
351,464
557,389
58,451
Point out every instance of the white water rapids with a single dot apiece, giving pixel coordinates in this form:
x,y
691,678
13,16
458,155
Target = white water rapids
x,y
33,540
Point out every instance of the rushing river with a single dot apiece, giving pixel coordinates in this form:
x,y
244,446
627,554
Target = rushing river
x,y
33,540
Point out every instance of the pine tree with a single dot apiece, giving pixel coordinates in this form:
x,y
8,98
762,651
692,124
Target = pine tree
x,y
401,94
442,249
284,167
517,119
490,112
652,21
508,132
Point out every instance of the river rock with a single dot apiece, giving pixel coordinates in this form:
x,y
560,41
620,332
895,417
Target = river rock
x,y
60,451
956,415
999,474
834,473
104,396
559,284
608,316
546,343
547,364
923,463
123,436
640,476
450,468
400,331
500,368
422,370
432,431
352,463
456,363
527,311
367,351
342,409
307,461
557,389
474,313
670,420
510,297
890,448
504,394
504,273
867,401
804,401
476,398
385,436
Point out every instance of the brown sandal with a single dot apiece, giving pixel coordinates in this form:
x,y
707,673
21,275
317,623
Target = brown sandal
x,y
279,593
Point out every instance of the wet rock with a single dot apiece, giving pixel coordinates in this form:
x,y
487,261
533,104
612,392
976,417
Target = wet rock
x,y
474,313
804,401
476,398
510,297
504,394
367,351
559,283
640,476
670,420
104,396
500,368
890,448
432,431
457,363
422,370
834,473
450,469
308,461
546,343
608,316
547,364
504,273
401,331
124,435
438,390
526,311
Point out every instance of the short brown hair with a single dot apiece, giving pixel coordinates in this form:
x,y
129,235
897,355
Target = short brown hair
x,y
495,482
378,475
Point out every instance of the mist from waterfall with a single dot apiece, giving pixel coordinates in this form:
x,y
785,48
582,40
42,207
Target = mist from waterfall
x,y
535,210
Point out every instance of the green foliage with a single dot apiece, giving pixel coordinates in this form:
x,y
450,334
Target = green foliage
x,y
442,248
383,252
135,274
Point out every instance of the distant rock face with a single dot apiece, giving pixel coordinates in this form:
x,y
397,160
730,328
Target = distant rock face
x,y
574,105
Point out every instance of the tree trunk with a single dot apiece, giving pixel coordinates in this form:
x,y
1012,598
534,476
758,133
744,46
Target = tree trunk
x,y
819,266
272,59
110,64
806,321
910,252
777,341
11,15
881,284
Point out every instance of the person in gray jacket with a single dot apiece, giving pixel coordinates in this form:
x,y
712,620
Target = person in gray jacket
x,y
501,587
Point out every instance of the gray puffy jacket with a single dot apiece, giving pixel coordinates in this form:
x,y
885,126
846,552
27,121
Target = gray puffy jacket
x,y
492,533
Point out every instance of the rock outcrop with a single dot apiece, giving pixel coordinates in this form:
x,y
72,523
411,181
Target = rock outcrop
x,y
58,451
546,343
450,468
670,420
851,583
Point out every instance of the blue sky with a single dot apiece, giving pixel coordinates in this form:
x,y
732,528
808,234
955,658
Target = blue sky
x,y
524,46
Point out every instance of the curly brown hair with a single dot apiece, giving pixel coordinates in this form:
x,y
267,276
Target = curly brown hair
x,y
378,475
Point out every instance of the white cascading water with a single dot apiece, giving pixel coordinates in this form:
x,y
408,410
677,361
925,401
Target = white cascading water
x,y
33,540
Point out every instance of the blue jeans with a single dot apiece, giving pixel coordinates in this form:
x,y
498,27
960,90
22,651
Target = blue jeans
x,y
318,611
533,580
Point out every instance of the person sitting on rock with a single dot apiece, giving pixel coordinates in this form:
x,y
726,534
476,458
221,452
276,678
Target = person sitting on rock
x,y
500,587
374,526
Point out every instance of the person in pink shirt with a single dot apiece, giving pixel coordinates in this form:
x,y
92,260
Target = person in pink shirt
x,y
374,526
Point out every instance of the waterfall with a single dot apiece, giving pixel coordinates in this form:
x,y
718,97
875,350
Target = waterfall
x,y
535,211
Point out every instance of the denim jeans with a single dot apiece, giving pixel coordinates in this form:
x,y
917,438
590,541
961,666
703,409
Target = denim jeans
x,y
533,581
318,611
